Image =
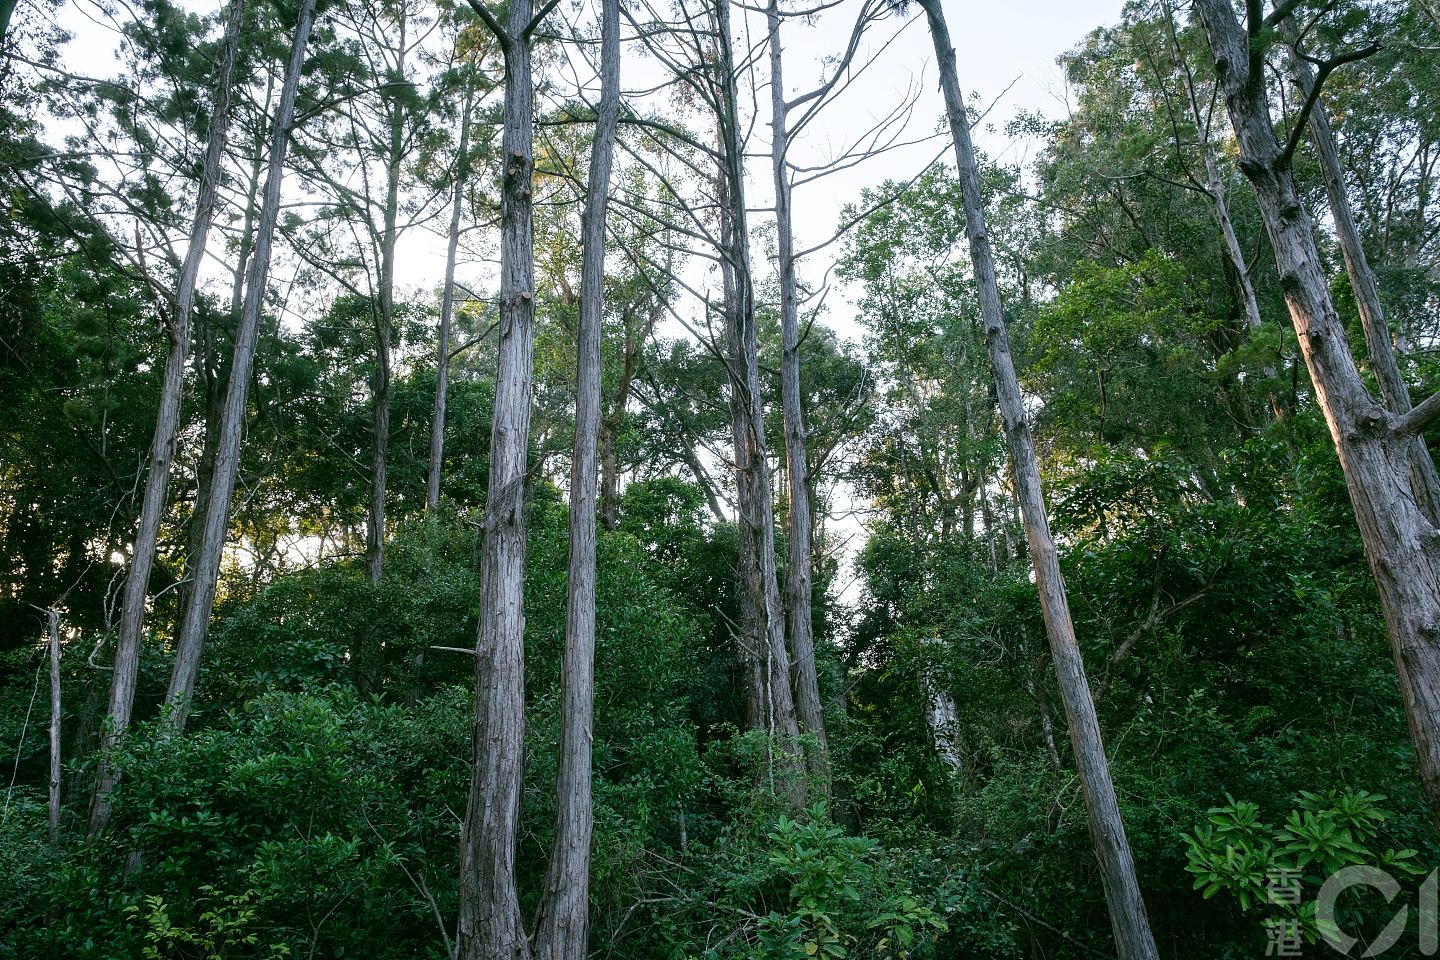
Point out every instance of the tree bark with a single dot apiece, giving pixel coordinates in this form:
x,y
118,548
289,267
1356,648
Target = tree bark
x,y
199,601
167,422
766,659
1401,545
1423,477
384,327
563,929
799,564
447,311
52,624
1133,940
614,416
490,925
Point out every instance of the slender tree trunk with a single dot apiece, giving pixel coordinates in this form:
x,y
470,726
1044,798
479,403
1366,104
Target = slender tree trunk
x,y
1215,186
215,377
490,926
52,624
167,422
615,416
384,330
563,928
772,706
942,716
799,565
1374,447
447,310
195,619
1423,478
1133,940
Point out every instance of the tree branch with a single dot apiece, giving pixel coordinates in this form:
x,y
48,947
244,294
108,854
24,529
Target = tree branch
x,y
501,37
1420,416
1313,96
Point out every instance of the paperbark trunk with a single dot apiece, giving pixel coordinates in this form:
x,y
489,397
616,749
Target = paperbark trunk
x,y
1133,939
167,422
195,619
799,566
447,312
563,928
490,925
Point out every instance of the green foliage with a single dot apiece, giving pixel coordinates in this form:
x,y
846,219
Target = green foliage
x,y
1281,868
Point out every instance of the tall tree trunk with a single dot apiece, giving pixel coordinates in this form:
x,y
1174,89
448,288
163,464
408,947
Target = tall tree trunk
x,y
1423,478
167,422
1133,940
447,310
195,619
799,566
490,926
52,635
772,705
213,374
385,327
563,928
1375,447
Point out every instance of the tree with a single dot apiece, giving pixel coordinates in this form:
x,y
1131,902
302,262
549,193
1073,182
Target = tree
x,y
1424,480
1375,446
766,658
563,928
205,567
490,926
167,421
1133,940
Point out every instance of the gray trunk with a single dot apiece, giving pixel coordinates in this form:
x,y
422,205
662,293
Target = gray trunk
x,y
1133,940
384,330
765,657
610,423
490,925
1423,478
563,928
798,569
205,568
167,421
52,625
1402,547
447,312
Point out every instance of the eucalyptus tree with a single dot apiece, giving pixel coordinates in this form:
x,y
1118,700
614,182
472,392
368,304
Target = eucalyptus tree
x,y
458,188
930,458
205,567
697,49
768,666
1128,920
800,524
361,154
563,928
490,925
1375,446
1424,480
167,422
